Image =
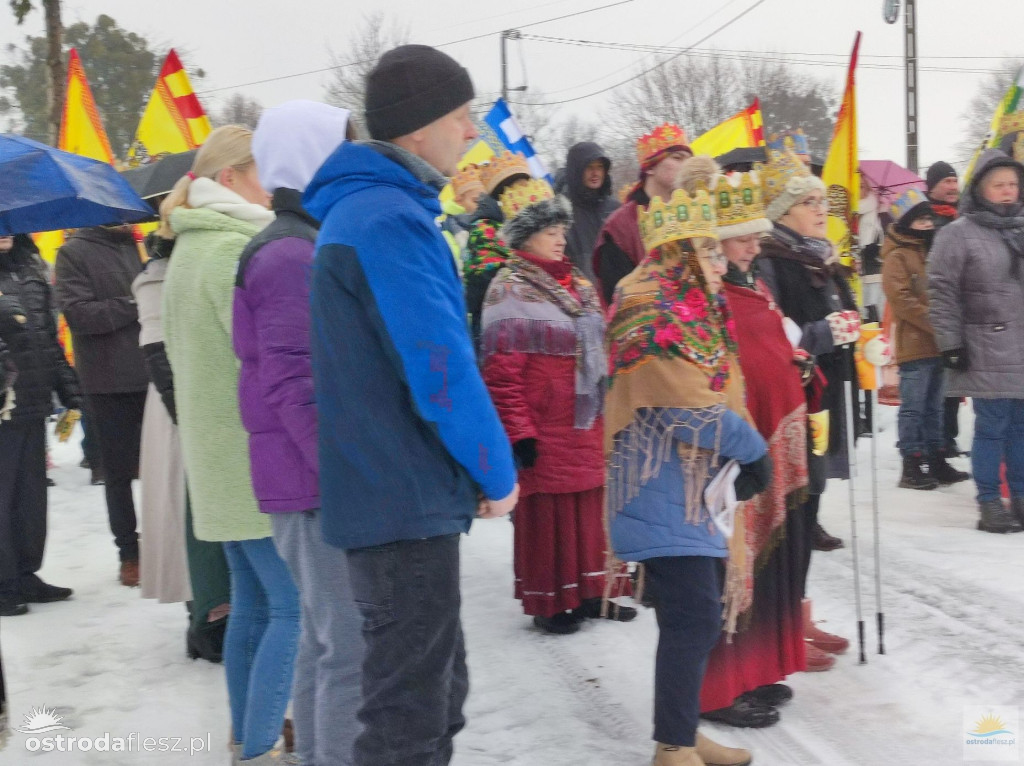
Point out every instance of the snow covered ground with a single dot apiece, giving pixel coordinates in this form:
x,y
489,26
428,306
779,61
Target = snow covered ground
x,y
114,663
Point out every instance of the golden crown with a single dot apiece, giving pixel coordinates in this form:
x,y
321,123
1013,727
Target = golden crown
x,y
738,199
467,180
501,168
1018,147
658,140
682,217
515,198
781,167
1011,123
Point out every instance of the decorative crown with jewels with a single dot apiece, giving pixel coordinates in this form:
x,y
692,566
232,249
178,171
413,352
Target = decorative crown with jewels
x,y
794,140
782,167
1011,123
682,217
515,198
738,200
658,140
467,180
501,168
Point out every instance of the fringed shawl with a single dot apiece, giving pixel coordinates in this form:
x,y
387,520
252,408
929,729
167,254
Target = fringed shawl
x,y
527,310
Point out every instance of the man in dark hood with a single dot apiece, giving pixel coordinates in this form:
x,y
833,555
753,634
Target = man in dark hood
x,y
976,284
588,184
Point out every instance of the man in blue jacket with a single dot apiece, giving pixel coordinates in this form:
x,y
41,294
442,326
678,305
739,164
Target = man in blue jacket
x,y
411,447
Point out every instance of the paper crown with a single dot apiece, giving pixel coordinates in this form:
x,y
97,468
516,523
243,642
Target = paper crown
x,y
682,217
782,167
794,140
906,202
1011,123
502,168
659,140
1018,147
515,198
739,206
466,181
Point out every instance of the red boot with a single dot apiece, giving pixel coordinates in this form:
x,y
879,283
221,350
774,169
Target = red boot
x,y
817,660
818,638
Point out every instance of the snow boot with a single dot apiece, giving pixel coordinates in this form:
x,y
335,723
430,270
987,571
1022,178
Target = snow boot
x,y
712,754
943,472
914,476
1017,508
818,638
676,755
561,624
744,713
770,695
823,541
590,609
996,518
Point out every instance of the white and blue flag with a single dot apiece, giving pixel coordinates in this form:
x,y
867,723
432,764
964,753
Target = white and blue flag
x,y
508,134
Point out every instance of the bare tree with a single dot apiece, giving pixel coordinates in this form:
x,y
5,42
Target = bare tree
x,y
979,111
375,35
239,109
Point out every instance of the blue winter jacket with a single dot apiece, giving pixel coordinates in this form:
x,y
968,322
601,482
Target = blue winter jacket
x,y
654,522
408,434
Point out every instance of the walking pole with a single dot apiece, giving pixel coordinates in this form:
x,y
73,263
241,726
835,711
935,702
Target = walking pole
x,y
879,614
851,446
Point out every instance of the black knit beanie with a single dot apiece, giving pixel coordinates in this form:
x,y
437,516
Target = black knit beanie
x,y
937,172
411,86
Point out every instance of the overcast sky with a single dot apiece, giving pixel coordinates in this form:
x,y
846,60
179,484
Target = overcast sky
x,y
242,42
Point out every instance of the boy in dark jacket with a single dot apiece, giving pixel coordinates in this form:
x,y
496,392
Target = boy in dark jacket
x,y
28,329
411,447
588,185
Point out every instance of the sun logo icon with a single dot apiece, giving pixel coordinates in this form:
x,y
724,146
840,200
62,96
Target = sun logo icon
x,y
989,726
40,720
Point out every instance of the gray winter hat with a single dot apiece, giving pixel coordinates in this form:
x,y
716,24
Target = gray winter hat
x,y
534,218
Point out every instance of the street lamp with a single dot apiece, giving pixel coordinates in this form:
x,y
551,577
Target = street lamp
x,y
891,12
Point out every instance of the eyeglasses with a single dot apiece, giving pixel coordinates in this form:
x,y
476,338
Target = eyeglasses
x,y
716,259
814,202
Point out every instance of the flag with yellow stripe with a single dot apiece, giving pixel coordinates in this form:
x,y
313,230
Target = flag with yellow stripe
x,y
744,130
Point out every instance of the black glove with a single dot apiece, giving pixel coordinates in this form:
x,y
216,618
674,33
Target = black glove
x,y
525,451
754,477
73,403
956,359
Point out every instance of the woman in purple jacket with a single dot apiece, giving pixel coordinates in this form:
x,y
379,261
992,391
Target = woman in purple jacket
x,y
271,338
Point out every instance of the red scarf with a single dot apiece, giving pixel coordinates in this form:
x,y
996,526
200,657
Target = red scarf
x,y
946,211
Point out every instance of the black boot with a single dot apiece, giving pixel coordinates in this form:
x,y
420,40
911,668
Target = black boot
x,y
942,471
207,642
590,609
996,518
35,591
744,713
914,476
1017,509
561,624
12,603
823,541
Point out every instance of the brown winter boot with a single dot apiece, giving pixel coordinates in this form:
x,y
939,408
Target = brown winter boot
x,y
818,638
675,755
817,660
713,754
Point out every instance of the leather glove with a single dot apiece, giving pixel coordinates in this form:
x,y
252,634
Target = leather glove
x,y
956,359
525,451
845,326
754,478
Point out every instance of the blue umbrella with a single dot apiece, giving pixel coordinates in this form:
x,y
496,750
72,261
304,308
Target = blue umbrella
x,y
42,188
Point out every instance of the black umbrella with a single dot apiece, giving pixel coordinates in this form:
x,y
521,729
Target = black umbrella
x,y
742,159
157,178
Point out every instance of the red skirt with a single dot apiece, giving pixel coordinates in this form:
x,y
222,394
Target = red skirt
x,y
560,547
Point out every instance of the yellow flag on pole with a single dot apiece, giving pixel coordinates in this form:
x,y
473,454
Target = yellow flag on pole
x,y
174,120
744,130
841,174
81,130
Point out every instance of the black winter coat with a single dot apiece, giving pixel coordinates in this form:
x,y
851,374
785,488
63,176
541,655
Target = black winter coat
x,y
590,207
32,344
95,270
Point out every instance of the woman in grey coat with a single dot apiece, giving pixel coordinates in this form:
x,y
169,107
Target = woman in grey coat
x,y
976,283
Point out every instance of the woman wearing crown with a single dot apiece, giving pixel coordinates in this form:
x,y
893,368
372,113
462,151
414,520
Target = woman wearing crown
x,y
802,272
741,685
544,363
674,415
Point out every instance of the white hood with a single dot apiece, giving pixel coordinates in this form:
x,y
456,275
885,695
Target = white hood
x,y
292,141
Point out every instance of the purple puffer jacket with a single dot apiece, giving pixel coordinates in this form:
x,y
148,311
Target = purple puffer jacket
x,y
270,330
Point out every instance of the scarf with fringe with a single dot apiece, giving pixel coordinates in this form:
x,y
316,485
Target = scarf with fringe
x,y
671,346
549,309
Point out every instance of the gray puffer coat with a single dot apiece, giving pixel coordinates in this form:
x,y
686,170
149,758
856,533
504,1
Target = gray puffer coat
x,y
977,297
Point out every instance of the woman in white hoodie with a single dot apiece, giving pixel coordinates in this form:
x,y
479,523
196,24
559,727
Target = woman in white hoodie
x,y
214,211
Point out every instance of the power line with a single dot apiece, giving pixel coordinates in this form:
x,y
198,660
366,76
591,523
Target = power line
x,y
708,36
439,45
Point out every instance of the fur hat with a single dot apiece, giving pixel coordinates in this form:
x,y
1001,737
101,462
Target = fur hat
x,y
697,169
786,180
534,218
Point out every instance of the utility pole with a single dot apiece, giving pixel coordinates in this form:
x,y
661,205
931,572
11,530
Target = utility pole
x,y
508,34
910,53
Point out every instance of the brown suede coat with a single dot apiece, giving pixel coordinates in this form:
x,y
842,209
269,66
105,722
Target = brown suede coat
x,y
905,282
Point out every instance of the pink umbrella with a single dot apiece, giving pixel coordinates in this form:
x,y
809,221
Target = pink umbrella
x,y
889,180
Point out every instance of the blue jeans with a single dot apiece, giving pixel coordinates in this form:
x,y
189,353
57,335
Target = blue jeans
x,y
329,667
922,391
414,676
998,437
260,643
